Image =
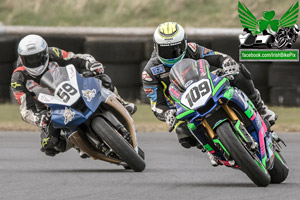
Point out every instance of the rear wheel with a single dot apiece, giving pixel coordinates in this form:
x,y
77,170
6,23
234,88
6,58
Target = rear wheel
x,y
118,144
280,170
248,164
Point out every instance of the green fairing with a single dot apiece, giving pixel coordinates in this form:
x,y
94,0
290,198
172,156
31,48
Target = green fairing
x,y
251,104
208,147
229,93
208,75
249,112
189,111
237,126
220,84
219,142
192,126
184,114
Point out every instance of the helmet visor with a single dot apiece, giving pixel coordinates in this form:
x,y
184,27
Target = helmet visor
x,y
169,51
35,60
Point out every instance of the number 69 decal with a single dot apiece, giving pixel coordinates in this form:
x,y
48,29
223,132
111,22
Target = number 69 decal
x,y
197,94
66,91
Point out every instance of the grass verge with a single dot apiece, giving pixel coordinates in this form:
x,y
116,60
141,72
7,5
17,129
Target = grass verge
x,y
145,121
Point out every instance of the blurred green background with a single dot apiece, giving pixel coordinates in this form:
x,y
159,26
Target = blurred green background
x,y
132,13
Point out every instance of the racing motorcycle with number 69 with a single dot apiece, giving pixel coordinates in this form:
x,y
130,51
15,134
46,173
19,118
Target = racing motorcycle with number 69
x,y
226,123
91,117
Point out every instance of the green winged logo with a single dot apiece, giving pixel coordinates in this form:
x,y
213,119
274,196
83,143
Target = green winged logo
x,y
248,20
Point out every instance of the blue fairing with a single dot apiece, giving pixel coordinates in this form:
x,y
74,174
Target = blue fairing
x,y
240,99
90,83
58,118
58,110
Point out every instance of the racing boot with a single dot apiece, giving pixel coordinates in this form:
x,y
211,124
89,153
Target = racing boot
x,y
184,136
53,145
130,107
213,159
51,141
263,110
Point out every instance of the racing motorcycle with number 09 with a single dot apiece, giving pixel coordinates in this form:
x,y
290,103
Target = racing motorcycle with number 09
x,y
91,117
225,122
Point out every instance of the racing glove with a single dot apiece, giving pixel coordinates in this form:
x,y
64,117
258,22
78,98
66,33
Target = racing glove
x,y
96,68
170,116
42,118
230,67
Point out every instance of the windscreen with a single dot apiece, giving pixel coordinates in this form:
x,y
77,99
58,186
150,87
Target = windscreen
x,y
54,76
188,71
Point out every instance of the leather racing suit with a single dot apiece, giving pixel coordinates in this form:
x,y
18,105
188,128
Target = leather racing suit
x,y
25,87
155,78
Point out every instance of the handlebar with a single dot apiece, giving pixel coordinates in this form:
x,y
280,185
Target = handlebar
x,y
87,74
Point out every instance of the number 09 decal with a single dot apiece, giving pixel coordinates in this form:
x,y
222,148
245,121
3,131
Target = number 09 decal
x,y
197,94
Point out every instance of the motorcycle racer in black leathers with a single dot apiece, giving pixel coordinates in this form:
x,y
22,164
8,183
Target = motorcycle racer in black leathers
x,y
170,46
35,58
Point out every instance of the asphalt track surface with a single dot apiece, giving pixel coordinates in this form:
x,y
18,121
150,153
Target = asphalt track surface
x,y
172,172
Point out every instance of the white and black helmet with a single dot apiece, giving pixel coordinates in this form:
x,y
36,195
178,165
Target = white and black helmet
x,y
170,43
34,55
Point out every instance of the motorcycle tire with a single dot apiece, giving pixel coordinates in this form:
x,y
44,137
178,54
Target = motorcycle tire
x,y
119,145
280,170
242,157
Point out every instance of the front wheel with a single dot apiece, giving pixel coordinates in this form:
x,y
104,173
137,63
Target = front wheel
x,y
118,144
252,168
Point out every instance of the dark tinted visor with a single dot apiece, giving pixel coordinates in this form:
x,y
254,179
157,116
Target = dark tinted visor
x,y
36,60
170,51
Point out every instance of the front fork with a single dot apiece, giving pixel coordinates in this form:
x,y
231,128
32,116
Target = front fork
x,y
243,134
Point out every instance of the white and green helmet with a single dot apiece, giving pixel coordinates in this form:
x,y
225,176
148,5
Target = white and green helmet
x,y
170,43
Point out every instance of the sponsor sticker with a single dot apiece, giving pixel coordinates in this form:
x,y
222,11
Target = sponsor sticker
x,y
148,90
89,94
146,77
158,70
68,115
192,46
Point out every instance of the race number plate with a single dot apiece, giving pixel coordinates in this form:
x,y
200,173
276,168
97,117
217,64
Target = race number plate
x,y
197,94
